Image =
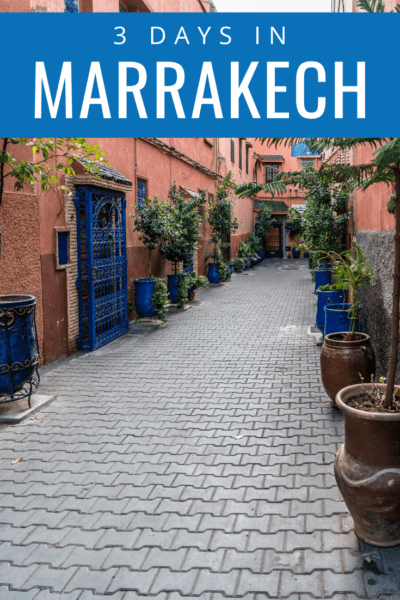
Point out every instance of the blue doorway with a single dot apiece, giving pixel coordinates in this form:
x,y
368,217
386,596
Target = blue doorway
x,y
102,266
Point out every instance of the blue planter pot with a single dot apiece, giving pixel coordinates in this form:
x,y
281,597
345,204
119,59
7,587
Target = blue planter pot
x,y
144,290
306,255
213,274
295,253
337,319
19,348
322,277
230,266
326,299
261,254
173,284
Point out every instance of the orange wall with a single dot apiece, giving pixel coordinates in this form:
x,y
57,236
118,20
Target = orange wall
x,y
370,207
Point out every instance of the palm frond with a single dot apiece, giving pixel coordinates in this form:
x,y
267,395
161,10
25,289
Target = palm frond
x,y
248,190
388,154
320,144
371,5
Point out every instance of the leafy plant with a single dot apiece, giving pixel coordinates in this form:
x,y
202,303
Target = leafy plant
x,y
224,272
182,295
185,227
154,224
191,279
264,221
51,158
243,250
160,299
374,6
221,217
333,287
238,264
294,224
351,270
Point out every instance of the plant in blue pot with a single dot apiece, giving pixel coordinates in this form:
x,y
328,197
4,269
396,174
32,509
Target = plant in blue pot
x,y
328,295
347,352
182,243
154,225
223,223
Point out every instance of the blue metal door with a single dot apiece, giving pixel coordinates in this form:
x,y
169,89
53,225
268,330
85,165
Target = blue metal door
x,y
102,266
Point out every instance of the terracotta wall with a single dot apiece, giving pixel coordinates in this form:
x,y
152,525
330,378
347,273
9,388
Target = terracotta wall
x,y
20,268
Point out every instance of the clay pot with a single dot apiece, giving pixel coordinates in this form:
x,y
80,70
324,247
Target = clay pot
x,y
367,471
342,361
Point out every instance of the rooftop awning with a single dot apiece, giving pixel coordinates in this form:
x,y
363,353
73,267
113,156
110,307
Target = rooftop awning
x,y
107,172
269,157
277,206
192,193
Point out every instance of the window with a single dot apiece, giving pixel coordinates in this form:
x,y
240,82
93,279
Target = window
x,y
232,150
62,248
141,195
247,160
71,6
307,162
240,155
255,173
271,172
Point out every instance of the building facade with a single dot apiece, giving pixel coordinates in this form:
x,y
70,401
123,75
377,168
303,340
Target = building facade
x,y
268,162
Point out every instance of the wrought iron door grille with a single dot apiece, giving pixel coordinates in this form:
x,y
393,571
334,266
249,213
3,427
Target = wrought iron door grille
x,y
102,266
71,6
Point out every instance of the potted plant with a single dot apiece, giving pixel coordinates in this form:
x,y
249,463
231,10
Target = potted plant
x,y
328,295
190,281
184,234
151,298
154,225
238,265
223,223
264,221
367,466
346,353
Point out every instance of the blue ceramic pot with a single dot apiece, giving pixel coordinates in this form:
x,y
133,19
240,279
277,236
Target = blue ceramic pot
x,y
295,253
306,255
144,290
261,254
19,348
173,285
230,266
322,277
337,319
326,299
213,274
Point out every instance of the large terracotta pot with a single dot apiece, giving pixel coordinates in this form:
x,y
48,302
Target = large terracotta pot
x,y
343,361
367,471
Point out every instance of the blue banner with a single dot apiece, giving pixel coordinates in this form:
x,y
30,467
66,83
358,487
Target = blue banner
x,y
199,75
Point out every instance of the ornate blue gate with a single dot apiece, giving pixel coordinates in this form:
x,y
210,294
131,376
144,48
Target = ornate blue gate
x,y
102,266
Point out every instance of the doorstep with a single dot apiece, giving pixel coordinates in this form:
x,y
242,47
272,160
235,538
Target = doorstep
x,y
16,412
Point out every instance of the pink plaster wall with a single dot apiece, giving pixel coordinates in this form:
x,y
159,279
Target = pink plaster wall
x,y
370,207
20,270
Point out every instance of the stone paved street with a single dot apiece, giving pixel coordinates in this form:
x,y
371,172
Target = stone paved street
x,y
193,459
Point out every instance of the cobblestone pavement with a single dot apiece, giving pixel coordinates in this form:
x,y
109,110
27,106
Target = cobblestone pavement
x,y
192,460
